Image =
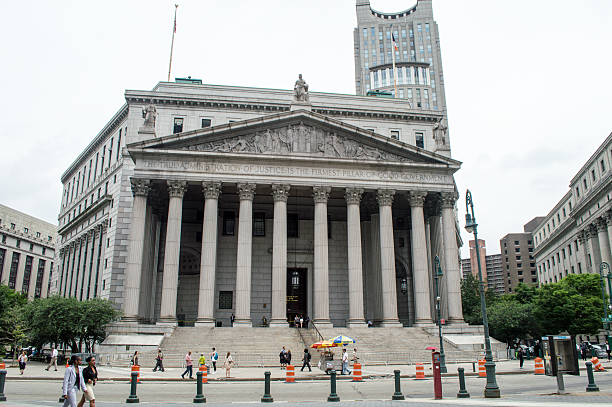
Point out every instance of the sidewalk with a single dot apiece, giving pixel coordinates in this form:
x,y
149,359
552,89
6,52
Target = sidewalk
x,y
36,371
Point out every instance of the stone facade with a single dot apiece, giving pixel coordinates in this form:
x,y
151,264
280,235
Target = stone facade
x,y
242,201
575,236
27,249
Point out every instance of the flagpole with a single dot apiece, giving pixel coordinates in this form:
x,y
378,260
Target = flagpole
x,y
394,71
172,44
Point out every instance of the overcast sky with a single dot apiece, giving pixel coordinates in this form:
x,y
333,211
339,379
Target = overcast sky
x,y
528,83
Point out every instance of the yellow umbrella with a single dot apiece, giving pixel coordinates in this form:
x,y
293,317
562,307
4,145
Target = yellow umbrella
x,y
342,340
323,344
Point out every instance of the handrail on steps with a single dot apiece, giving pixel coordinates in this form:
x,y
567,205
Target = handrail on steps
x,y
316,330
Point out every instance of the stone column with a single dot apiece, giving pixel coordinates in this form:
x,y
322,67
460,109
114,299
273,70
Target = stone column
x,y
244,255
279,256
176,190
355,265
419,260
135,247
87,264
44,292
208,259
96,241
593,247
387,259
70,270
20,272
604,244
451,259
321,260
33,277
83,268
6,268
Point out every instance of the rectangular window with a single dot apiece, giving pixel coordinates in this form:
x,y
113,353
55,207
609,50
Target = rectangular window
x,y
395,134
2,256
409,93
426,27
603,166
13,271
178,125
226,299
110,152
206,123
293,225
259,224
593,175
419,28
420,142
229,223
27,274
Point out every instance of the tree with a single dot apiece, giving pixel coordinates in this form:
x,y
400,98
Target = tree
x,y
12,327
470,300
510,319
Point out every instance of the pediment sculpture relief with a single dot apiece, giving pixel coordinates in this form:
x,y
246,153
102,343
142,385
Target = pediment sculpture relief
x,y
298,139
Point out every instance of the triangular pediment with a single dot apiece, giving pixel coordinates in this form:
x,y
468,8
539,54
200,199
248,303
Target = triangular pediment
x,y
298,133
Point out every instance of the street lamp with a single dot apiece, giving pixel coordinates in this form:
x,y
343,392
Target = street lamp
x,y
437,275
491,389
606,320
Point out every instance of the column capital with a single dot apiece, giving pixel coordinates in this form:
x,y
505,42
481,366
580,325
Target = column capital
x,y
246,191
602,224
353,195
176,188
448,199
417,198
140,187
591,230
582,236
211,189
280,192
320,193
385,197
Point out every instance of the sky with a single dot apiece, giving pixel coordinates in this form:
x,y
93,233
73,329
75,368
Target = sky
x,y
528,83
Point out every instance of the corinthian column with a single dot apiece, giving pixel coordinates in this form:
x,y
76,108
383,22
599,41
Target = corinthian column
x,y
176,190
208,259
355,271
321,261
604,244
419,259
279,256
140,190
244,255
451,259
387,258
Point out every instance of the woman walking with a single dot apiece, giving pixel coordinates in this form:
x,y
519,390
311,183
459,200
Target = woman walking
x,y
229,362
90,377
23,360
135,359
73,382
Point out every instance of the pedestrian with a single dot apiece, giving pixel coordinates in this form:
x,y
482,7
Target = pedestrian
x,y
135,359
306,321
53,361
536,349
232,319
90,377
301,322
229,362
608,350
521,356
214,356
288,357
354,357
370,324
23,360
345,362
73,382
188,366
296,321
202,360
282,356
583,351
306,360
159,361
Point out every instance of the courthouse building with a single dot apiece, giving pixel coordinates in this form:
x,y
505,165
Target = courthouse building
x,y
197,202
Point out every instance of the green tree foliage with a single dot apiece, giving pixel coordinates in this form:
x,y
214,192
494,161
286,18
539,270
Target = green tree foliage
x,y
510,319
470,300
12,326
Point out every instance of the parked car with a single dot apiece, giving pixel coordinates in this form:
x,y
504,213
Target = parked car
x,y
598,350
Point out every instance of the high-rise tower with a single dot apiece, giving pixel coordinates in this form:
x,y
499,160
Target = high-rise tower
x,y
417,58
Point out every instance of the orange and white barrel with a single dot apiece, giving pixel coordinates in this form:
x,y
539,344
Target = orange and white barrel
x,y
539,366
482,371
136,368
290,378
204,371
420,371
357,372
597,364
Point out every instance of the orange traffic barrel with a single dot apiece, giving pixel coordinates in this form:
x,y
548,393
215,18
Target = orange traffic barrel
x,y
2,366
482,371
136,368
597,364
420,371
357,372
290,378
539,366
204,371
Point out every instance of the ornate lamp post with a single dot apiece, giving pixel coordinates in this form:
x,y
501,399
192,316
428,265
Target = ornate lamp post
x,y
491,389
606,320
437,275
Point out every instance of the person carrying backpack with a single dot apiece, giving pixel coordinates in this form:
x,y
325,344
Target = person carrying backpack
x,y
214,356
306,360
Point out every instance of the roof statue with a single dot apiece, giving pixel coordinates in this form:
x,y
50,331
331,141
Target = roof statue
x,y
301,90
149,113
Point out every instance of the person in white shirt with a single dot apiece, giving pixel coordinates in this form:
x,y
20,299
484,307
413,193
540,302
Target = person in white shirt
x,y
345,362
53,360
73,382
23,360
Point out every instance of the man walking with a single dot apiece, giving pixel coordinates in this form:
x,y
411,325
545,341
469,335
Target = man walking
x,y
214,356
159,361
188,366
306,360
345,362
521,356
53,360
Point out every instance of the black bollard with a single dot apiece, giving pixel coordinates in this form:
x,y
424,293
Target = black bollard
x,y
463,393
2,380
592,386
398,391
133,397
267,398
199,398
332,395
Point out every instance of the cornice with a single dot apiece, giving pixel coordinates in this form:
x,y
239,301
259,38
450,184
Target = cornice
x,y
594,193
554,236
27,237
83,215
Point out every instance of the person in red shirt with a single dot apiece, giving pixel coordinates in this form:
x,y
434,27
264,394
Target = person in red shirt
x,y
189,366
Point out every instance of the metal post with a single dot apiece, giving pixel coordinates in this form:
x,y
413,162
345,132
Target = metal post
x,y
560,384
267,398
199,397
491,389
2,380
332,395
437,275
398,391
133,398
591,386
463,393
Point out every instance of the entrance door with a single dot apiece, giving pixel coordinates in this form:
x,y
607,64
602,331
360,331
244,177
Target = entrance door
x,y
297,300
